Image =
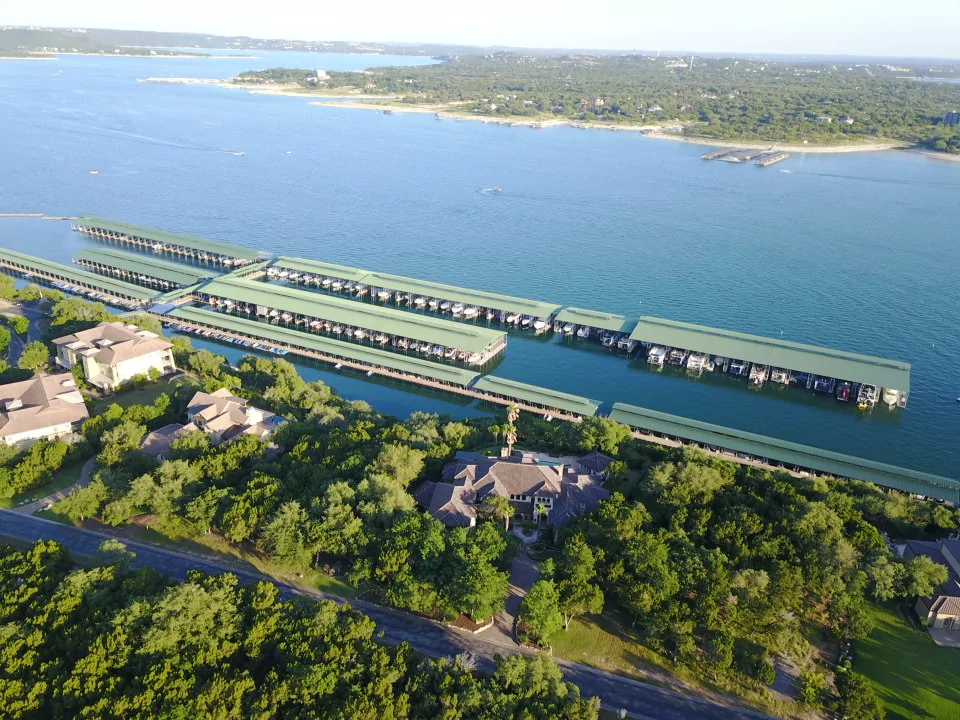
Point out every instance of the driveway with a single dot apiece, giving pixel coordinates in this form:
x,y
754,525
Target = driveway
x,y
34,332
523,574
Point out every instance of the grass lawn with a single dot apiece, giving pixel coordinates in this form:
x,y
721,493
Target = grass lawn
x,y
915,678
66,476
138,396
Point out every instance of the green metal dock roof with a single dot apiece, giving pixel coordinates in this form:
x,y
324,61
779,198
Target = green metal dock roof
x,y
78,276
788,453
336,348
479,298
320,268
777,353
210,246
596,319
150,266
537,395
358,314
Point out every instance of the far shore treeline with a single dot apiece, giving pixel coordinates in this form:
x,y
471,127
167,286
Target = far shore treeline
x,y
725,99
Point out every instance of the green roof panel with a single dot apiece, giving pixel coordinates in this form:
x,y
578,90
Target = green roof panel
x,y
788,453
596,319
148,265
537,395
337,348
424,328
211,246
777,353
78,276
320,268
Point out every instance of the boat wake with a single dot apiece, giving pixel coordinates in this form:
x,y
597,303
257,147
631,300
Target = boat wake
x,y
113,134
490,191
788,172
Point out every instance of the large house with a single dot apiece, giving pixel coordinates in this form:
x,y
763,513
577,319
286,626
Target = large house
x,y
224,416
942,610
545,492
42,408
113,353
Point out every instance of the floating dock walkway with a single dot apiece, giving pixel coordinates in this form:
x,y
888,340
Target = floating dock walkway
x,y
771,158
183,246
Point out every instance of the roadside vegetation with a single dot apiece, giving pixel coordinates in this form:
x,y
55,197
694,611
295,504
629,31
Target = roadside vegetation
x,y
696,571
720,98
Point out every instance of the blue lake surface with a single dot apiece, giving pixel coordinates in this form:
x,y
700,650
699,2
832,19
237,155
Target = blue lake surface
x,y
856,251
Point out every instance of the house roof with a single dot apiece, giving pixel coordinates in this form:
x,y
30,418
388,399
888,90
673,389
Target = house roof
x,y
114,342
946,599
41,402
230,416
595,462
159,441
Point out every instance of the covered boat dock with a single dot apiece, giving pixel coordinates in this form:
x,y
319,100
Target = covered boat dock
x,y
612,330
384,326
76,281
780,360
184,246
143,269
322,348
745,446
544,398
460,303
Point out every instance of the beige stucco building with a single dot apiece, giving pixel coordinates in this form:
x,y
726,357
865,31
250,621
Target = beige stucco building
x,y
42,408
942,609
114,353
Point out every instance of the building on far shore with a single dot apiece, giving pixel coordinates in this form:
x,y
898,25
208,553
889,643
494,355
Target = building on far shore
x,y
941,611
224,417
113,353
541,490
42,408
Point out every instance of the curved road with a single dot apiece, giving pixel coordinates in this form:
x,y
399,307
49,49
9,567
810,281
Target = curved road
x,y
639,699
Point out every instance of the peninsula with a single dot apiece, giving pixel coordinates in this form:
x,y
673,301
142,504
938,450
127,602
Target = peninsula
x,y
718,100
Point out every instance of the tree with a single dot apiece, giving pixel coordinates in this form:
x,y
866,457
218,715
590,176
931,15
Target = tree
x,y
34,357
577,587
8,288
285,536
921,576
499,508
540,611
19,323
5,338
886,577
813,688
857,699
154,374
83,502
399,462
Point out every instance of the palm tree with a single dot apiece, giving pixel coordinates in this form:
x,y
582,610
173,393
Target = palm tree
x,y
513,413
500,508
510,437
542,511
495,430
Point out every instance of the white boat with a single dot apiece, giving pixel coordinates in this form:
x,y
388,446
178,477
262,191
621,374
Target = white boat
x,y
337,329
558,326
450,353
420,301
490,314
696,361
457,308
384,294
474,358
539,325
446,305
470,312
438,350
511,317
583,332
359,334
657,355
609,340
336,285
891,396
326,282
568,329
434,304
626,345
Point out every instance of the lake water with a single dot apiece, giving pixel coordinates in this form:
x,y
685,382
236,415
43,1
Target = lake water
x,y
856,251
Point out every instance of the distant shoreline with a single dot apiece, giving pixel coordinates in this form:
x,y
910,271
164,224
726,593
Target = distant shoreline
x,y
27,57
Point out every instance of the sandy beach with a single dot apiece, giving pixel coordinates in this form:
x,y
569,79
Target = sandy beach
x,y
809,148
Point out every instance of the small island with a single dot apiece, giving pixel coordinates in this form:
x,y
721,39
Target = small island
x,y
724,101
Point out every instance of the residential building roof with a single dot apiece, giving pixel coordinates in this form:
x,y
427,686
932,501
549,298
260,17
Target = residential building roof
x,y
229,416
159,441
776,353
110,343
946,599
41,402
595,462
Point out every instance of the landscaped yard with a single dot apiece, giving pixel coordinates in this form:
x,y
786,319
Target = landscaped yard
x,y
135,396
67,476
916,679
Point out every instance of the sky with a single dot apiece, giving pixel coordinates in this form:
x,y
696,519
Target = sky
x,y
827,27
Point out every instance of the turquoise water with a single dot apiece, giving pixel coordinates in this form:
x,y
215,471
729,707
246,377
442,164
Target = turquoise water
x,y
855,251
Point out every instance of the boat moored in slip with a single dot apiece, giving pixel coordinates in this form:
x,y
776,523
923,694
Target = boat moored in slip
x,y
539,325
558,326
657,355
739,368
759,374
867,396
677,356
824,384
891,397
844,391
568,329
696,362
781,376
625,344
609,340
583,332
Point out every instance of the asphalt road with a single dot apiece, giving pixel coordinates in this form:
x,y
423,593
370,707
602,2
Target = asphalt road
x,y
639,699
17,343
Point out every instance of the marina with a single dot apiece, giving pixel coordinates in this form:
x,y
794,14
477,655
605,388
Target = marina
x,y
761,359
462,304
161,241
771,158
143,269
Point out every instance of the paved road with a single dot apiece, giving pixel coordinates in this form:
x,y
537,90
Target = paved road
x,y
639,699
17,343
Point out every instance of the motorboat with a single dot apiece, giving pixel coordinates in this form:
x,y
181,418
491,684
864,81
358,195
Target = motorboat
x,y
657,355
583,332
844,391
609,340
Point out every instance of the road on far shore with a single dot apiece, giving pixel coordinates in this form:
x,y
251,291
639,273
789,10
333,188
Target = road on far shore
x,y
639,699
